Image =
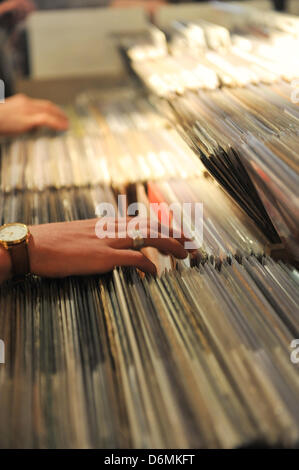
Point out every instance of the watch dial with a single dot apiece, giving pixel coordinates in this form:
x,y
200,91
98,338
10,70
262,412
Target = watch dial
x,y
13,233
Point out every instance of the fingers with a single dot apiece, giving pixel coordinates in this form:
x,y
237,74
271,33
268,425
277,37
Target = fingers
x,y
165,245
121,228
48,120
163,239
43,113
134,259
48,112
24,114
46,106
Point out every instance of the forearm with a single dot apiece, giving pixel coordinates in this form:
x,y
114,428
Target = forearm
x,y
5,265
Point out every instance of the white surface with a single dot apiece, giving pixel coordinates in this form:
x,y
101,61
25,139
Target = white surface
x,y
66,43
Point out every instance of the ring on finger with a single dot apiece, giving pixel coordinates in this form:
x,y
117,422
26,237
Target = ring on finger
x,y
138,240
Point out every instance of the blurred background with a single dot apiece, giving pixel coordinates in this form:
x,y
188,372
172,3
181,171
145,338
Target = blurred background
x,y
56,48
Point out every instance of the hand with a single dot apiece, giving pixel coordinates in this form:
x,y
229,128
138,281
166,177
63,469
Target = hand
x,y
20,114
72,248
21,8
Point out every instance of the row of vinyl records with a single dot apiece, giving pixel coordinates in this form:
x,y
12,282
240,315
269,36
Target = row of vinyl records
x,y
116,140
204,355
248,140
199,357
245,138
235,50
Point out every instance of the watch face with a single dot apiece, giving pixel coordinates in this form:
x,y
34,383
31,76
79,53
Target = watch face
x,y
13,233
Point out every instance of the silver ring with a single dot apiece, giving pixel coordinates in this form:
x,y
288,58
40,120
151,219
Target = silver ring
x,y
138,241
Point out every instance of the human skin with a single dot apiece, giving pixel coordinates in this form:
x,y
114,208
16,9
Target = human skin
x,y
73,248
20,114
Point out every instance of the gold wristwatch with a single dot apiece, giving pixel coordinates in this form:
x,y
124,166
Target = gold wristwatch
x,y
14,238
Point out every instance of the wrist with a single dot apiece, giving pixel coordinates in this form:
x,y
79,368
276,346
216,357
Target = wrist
x,y
38,253
31,249
5,265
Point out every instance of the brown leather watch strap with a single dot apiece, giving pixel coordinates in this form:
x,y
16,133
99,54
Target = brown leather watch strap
x,y
20,259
